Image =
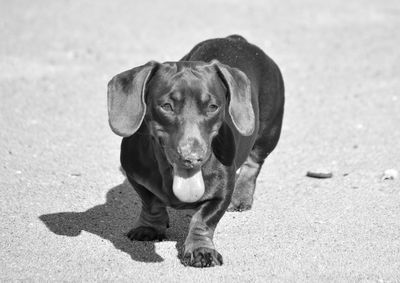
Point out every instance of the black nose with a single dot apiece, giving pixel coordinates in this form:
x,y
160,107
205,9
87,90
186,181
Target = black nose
x,y
191,161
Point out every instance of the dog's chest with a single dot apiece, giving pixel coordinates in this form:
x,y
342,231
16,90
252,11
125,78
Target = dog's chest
x,y
143,162
160,184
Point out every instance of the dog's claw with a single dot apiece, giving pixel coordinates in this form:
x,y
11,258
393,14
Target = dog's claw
x,y
239,206
144,233
202,257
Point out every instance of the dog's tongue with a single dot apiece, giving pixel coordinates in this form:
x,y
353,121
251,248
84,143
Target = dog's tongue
x,y
188,186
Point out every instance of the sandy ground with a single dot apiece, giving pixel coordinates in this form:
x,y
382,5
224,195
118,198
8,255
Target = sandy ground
x,y
65,206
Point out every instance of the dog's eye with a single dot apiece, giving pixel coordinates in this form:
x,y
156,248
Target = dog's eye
x,y
167,107
212,108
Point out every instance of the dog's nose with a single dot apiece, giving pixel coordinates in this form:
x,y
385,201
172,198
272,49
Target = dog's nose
x,y
190,153
192,161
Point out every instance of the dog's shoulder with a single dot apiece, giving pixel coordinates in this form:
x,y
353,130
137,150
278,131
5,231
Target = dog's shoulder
x,y
139,146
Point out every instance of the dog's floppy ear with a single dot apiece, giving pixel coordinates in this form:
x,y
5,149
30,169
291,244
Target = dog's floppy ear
x,y
126,101
239,97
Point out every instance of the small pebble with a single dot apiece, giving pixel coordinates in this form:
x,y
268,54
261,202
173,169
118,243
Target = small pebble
x,y
321,174
390,174
76,174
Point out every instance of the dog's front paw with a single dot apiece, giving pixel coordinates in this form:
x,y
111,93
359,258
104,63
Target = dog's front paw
x,y
144,233
202,257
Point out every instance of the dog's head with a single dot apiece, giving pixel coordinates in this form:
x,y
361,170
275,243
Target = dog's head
x,y
184,105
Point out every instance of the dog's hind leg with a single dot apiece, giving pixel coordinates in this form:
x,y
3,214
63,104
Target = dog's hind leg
x,y
242,198
153,219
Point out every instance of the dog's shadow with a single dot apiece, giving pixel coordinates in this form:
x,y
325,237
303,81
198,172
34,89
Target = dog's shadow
x,y
113,219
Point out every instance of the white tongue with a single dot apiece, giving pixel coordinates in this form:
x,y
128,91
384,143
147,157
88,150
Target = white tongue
x,y
188,188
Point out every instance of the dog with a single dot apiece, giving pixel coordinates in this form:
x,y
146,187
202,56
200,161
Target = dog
x,y
195,135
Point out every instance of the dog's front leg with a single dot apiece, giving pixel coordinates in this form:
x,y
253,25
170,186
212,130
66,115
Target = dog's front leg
x,y
199,249
153,219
